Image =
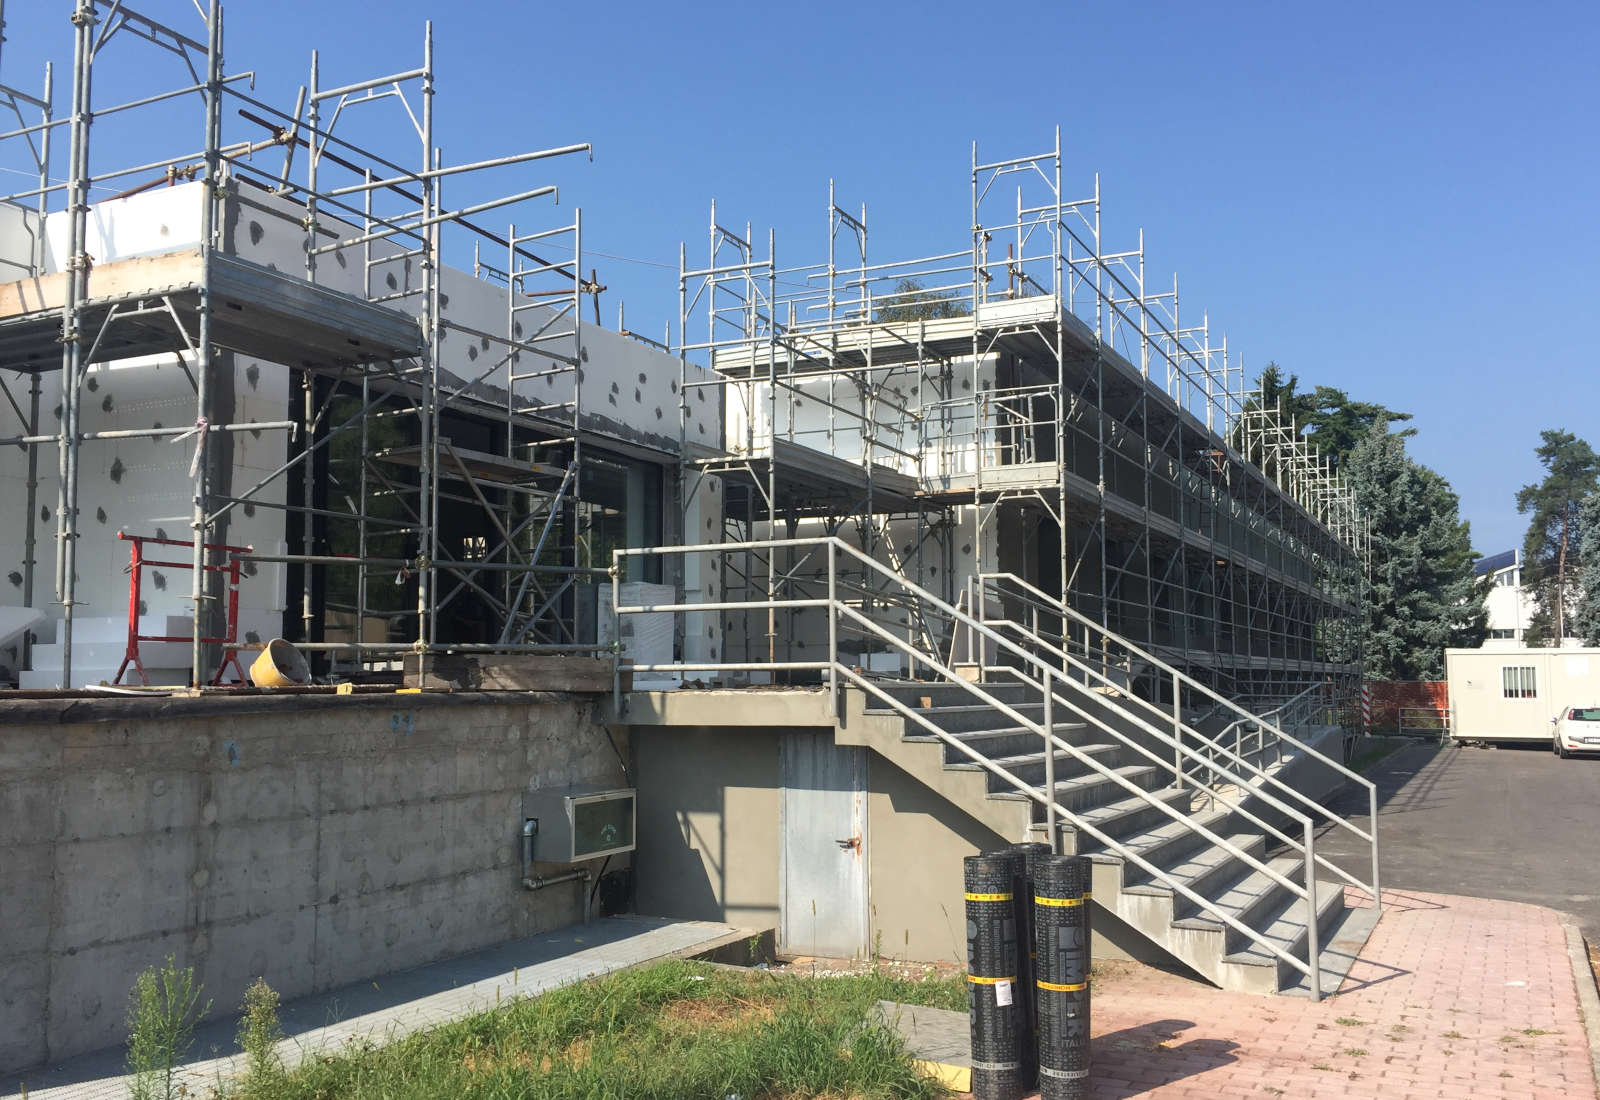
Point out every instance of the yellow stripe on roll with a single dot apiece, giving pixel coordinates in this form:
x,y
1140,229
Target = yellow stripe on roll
x,y
1058,902
988,897
975,980
1054,987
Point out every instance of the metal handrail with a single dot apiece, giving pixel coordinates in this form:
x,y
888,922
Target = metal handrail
x,y
837,670
1204,758
1057,607
1263,721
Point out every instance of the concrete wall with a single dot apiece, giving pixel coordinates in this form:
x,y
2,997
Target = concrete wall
x,y
312,841
709,844
918,839
708,824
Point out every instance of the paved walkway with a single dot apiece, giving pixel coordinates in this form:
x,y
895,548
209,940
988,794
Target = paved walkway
x,y
1485,822
1452,999
400,1003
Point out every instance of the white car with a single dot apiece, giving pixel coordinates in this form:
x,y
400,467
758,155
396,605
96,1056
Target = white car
x,y
1577,730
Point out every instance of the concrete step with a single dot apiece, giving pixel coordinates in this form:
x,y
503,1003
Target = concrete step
x,y
1162,845
964,717
1251,901
1126,817
1207,869
1252,966
946,694
1086,792
1029,767
1005,741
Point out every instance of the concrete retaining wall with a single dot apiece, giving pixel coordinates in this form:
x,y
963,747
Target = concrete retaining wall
x,y
314,841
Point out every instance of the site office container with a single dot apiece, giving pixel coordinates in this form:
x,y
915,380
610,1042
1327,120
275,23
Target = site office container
x,y
1513,694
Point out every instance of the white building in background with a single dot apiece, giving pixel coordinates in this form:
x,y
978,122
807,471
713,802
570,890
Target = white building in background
x,y
1510,605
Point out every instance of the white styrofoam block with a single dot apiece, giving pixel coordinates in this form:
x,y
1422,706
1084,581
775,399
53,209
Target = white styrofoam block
x,y
19,233
50,679
166,219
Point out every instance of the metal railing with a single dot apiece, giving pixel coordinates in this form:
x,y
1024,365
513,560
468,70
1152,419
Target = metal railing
x,y
1430,723
1271,737
1056,685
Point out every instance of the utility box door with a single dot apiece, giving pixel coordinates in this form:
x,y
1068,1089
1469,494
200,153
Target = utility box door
x,y
822,863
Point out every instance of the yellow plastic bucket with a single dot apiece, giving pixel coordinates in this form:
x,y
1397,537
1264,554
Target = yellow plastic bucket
x,y
279,665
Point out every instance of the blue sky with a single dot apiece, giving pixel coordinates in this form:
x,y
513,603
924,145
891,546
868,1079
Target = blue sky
x,y
1395,199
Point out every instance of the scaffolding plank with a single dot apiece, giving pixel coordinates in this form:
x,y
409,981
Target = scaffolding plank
x,y
483,466
256,311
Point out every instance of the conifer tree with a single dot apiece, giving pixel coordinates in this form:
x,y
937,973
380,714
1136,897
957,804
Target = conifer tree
x,y
1586,617
1551,548
1422,596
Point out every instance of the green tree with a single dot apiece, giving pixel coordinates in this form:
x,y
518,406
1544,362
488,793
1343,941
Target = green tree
x,y
910,300
1551,547
1422,596
1326,417
1586,618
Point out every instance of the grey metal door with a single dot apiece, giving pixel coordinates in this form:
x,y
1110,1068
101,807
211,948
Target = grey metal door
x,y
822,860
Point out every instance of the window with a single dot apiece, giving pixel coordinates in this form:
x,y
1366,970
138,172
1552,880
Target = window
x,y
1518,682
1584,714
1498,633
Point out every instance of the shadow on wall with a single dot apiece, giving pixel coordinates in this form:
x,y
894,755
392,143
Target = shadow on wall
x,y
708,824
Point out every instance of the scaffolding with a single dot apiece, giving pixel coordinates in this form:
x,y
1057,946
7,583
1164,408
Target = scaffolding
x,y
1028,392
370,460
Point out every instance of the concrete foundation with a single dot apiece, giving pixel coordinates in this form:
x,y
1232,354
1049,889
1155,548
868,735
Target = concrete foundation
x,y
313,841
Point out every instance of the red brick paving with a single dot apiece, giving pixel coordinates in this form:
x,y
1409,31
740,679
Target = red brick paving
x,y
1453,999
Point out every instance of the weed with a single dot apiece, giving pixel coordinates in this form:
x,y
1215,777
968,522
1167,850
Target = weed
x,y
1322,1065
162,1011
259,1035
1454,1035
1350,1021
1534,1032
1355,1052
675,1030
1505,1073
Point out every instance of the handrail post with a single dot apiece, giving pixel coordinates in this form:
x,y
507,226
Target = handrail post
x,y
1049,759
616,635
1313,948
1372,828
833,626
1177,734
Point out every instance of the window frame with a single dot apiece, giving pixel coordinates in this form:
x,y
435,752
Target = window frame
x,y
1519,682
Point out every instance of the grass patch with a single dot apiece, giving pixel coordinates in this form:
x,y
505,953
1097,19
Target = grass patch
x,y
673,1030
1367,751
1350,1021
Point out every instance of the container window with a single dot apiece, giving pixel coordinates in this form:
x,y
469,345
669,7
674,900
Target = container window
x,y
1519,682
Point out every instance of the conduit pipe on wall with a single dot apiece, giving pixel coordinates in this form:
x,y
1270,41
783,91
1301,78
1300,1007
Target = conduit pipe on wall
x,y
531,881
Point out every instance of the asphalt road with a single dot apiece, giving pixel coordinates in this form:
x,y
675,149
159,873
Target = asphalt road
x,y
1519,824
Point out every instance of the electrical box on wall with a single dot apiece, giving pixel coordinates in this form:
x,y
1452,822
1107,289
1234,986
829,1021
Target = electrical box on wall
x,y
579,823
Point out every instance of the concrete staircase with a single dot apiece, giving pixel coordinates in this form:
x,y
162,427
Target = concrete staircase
x,y
1232,885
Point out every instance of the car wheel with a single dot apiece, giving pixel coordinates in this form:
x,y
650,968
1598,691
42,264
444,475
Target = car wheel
x,y
1561,750
1555,746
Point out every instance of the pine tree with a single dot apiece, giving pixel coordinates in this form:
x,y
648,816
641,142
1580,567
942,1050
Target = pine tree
x,y
1586,618
1326,416
1551,548
1422,595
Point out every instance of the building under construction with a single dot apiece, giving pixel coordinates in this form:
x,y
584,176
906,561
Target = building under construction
x,y
1002,519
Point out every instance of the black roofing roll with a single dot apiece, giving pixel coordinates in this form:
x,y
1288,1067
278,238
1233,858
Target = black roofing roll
x,y
992,993
1032,854
1061,957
